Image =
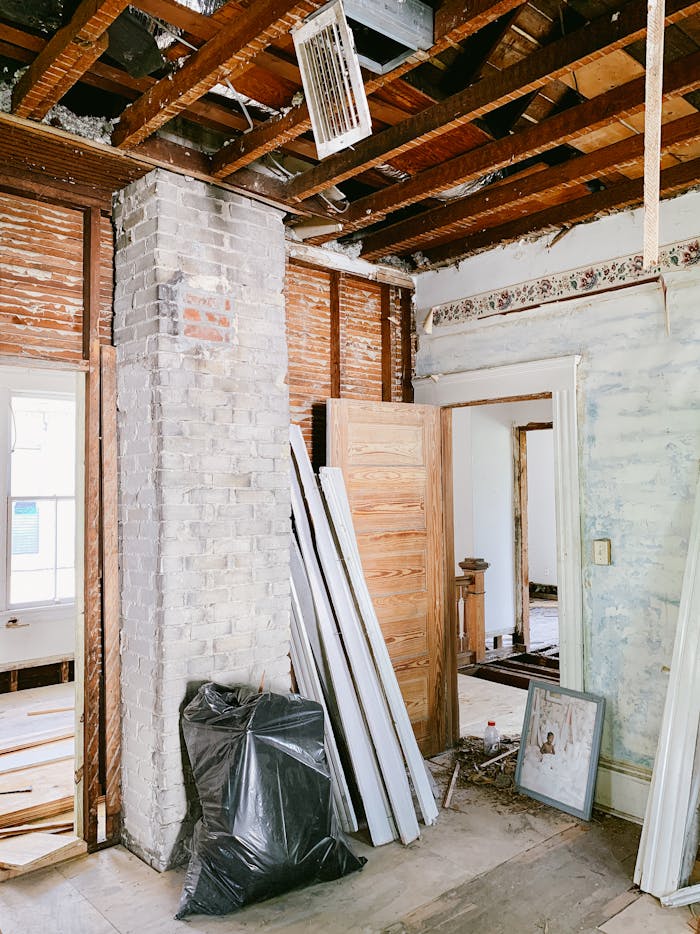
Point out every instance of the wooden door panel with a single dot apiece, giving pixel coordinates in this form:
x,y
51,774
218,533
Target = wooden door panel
x,y
396,541
404,638
382,494
381,445
390,454
396,575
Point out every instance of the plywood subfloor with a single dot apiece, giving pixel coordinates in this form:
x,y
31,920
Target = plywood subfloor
x,y
19,731
525,856
52,789
27,717
28,850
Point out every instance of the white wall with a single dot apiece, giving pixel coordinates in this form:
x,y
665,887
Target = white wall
x,y
638,399
541,516
483,497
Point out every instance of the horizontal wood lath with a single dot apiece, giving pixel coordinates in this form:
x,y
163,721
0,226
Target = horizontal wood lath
x,y
41,279
307,294
360,340
309,339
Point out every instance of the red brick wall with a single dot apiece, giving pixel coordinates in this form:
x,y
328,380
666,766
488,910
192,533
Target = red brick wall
x,y
308,304
41,279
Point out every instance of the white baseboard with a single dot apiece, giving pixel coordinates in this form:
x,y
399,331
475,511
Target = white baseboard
x,y
622,789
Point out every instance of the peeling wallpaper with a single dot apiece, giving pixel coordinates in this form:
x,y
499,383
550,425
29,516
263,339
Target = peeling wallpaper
x,y
639,445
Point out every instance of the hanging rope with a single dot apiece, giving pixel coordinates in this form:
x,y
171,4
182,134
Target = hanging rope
x,y
652,129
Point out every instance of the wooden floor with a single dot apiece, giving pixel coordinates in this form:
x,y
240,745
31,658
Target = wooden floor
x,y
37,780
490,865
481,701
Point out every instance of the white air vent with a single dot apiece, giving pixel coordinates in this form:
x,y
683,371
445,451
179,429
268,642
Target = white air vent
x,y
330,73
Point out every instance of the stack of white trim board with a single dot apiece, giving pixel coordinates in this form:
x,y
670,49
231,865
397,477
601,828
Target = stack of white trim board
x,y
340,659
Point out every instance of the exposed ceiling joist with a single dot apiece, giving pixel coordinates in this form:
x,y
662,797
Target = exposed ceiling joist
x,y
224,56
680,77
65,58
622,195
455,20
275,133
22,46
603,35
480,211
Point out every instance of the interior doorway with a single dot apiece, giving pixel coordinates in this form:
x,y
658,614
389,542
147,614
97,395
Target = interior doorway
x,y
535,539
553,379
504,528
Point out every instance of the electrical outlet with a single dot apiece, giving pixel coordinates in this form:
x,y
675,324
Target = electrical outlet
x,y
602,551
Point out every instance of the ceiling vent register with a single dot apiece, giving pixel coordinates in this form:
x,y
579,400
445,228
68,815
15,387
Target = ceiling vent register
x,y
333,86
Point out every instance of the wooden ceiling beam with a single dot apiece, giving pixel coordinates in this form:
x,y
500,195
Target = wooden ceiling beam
x,y
681,77
223,56
279,131
65,58
479,211
601,36
455,20
622,195
21,46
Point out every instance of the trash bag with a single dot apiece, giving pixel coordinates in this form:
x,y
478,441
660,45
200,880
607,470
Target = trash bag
x,y
267,825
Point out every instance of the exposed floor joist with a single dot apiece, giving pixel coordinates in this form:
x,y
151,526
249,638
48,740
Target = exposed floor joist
x,y
623,101
65,58
622,195
602,36
221,58
480,211
459,22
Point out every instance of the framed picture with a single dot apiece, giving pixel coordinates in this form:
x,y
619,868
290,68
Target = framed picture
x,y
559,749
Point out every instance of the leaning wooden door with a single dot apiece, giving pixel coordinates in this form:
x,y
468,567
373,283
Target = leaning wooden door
x,y
390,455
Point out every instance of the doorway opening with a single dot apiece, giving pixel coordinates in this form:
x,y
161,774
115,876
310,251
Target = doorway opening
x,y
551,379
505,549
535,540
40,550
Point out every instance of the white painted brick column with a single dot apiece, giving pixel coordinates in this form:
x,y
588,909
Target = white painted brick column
x,y
204,473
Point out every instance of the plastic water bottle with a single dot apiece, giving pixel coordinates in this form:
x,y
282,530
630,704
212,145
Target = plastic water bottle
x,y
492,739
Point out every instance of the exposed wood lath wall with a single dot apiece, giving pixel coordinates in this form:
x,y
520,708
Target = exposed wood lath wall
x,y
360,340
56,286
41,280
345,353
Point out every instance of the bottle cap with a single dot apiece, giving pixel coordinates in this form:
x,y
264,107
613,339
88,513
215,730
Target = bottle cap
x,y
492,723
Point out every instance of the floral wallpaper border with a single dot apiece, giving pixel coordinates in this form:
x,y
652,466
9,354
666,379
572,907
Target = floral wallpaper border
x,y
569,284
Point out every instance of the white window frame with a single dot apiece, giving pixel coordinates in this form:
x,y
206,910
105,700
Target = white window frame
x,y
39,383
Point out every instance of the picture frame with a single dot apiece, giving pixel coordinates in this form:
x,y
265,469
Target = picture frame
x,y
560,746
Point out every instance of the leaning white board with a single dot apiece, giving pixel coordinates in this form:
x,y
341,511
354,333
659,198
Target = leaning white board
x,y
364,763
660,856
333,486
310,686
364,673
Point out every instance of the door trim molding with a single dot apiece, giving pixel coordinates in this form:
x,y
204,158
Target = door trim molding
x,y
556,376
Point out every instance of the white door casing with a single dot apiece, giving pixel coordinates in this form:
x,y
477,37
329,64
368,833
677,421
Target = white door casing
x,y
558,377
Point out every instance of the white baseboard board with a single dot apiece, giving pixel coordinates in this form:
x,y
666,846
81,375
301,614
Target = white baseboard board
x,y
622,789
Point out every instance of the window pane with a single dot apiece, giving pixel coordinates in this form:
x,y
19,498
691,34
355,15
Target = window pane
x,y
65,550
42,462
33,551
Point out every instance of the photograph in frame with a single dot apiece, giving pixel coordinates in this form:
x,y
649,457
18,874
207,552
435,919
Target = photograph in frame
x,y
559,749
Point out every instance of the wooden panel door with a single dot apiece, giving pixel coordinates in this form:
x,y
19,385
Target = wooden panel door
x,y
390,455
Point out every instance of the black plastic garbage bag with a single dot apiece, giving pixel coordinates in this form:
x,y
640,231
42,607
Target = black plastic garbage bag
x,y
267,825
